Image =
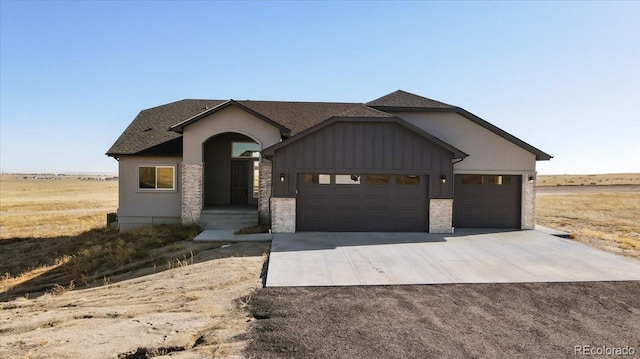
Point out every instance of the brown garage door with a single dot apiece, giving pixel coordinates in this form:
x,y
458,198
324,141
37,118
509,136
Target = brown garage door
x,y
486,201
361,203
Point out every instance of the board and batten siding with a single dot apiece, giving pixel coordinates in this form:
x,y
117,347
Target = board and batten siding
x,y
363,148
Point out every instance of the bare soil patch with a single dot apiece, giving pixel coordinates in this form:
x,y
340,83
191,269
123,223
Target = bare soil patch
x,y
540,320
188,311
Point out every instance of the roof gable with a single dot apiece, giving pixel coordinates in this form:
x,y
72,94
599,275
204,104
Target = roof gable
x,y
352,116
179,127
401,101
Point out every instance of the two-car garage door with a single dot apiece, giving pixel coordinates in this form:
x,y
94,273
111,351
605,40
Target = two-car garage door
x,y
344,202
487,201
398,203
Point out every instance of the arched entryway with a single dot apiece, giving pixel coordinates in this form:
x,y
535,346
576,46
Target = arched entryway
x,y
231,164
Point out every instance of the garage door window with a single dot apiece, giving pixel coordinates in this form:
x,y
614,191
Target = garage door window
x,y
408,180
347,179
499,180
377,180
473,179
310,178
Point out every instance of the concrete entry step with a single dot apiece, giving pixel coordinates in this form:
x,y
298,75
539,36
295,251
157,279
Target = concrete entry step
x,y
228,218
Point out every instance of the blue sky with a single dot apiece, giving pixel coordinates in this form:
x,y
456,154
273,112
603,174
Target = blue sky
x,y
562,76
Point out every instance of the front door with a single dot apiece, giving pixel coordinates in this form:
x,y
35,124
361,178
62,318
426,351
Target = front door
x,y
239,182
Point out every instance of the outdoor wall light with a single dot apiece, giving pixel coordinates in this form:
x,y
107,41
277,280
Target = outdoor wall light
x,y
531,178
282,177
443,179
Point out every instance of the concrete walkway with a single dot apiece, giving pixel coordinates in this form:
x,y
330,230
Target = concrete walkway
x,y
228,235
343,259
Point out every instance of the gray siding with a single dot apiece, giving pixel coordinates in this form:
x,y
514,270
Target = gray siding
x,y
137,208
361,148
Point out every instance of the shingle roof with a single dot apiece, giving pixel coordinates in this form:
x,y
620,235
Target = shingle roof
x,y
363,111
148,134
149,129
298,116
402,99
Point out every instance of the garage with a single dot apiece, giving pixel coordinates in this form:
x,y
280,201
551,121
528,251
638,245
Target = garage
x,y
361,203
487,201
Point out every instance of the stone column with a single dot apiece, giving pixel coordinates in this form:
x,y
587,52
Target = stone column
x,y
265,193
529,198
440,215
283,215
191,192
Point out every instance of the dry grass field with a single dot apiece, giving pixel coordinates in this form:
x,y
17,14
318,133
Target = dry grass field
x,y
607,217
47,208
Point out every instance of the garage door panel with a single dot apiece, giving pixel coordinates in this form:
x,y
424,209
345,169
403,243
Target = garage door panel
x,y
372,203
487,201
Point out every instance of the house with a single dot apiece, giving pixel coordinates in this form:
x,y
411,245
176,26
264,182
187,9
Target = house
x,y
401,162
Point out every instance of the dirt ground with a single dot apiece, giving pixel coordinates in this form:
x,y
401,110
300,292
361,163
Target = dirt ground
x,y
540,320
189,312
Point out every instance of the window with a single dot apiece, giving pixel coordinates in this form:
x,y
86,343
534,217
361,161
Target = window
x,y
317,179
377,179
472,179
157,177
245,150
347,179
256,179
408,180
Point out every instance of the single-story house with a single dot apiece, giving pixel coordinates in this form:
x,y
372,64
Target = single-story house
x,y
401,162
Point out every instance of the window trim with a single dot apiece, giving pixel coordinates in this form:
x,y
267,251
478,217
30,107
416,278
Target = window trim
x,y
156,189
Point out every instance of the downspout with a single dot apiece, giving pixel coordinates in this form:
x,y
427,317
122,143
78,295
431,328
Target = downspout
x,y
453,189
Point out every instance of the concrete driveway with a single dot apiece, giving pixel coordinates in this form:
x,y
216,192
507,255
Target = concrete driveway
x,y
342,259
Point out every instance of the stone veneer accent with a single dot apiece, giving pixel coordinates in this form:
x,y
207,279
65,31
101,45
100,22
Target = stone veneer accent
x,y
440,215
283,215
529,207
191,192
264,193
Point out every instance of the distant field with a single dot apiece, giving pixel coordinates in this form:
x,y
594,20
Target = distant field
x,y
48,208
607,217
589,180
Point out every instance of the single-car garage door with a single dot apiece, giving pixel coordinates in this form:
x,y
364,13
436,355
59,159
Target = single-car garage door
x,y
486,201
360,203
